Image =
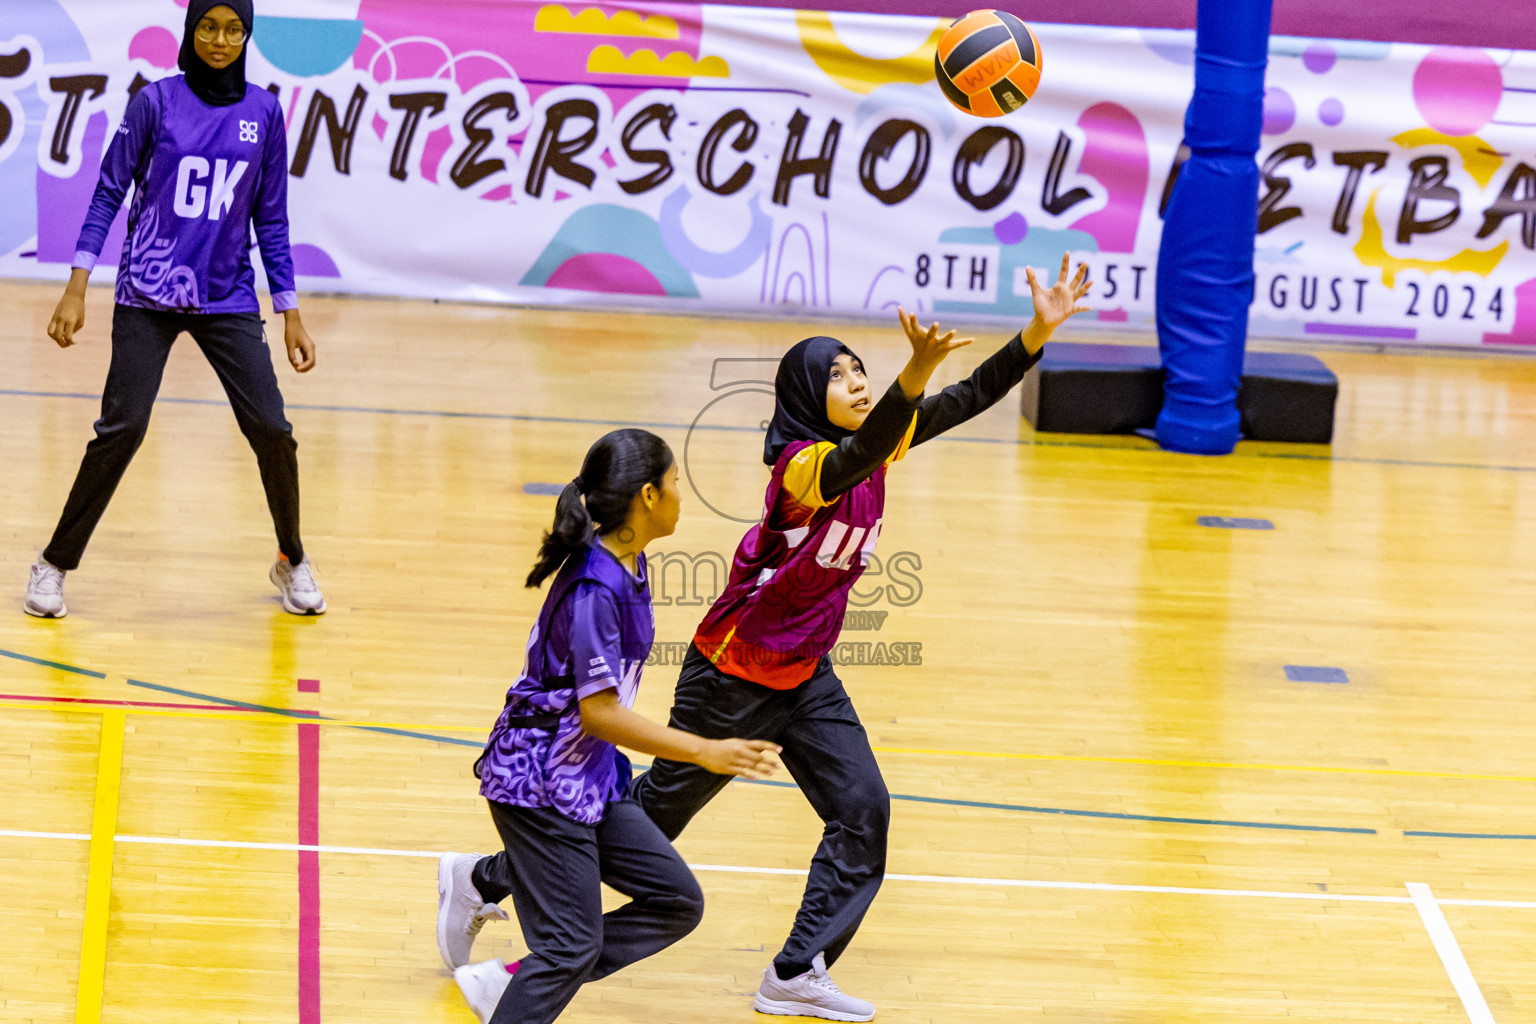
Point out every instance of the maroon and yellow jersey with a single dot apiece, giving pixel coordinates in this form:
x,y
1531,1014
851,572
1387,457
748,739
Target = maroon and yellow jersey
x,y
783,605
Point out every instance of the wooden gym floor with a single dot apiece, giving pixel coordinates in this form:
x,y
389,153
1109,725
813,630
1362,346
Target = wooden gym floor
x,y
1112,803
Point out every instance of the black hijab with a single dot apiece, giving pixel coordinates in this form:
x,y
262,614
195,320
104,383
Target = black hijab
x,y
800,397
214,87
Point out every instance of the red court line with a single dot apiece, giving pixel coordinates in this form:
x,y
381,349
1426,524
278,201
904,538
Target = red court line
x,y
121,703
309,873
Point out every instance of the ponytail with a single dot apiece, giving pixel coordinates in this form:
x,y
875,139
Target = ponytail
x,y
617,466
572,529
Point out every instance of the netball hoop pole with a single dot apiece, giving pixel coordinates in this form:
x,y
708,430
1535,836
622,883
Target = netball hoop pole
x,y
1205,268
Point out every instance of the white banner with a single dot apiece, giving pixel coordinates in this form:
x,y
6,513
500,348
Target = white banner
x,y
765,161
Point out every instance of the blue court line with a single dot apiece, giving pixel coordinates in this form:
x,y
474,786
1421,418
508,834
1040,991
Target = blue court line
x,y
1297,456
507,417
288,712
310,715
1112,815
53,664
1468,835
1366,460
477,744
1034,442
911,798
1121,816
983,805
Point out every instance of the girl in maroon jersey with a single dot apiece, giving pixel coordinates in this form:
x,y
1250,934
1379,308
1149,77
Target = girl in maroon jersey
x,y
758,666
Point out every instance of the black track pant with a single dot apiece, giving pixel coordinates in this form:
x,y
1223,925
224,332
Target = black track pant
x,y
141,343
554,868
827,752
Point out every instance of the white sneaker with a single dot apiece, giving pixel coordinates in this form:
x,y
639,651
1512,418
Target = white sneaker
x,y
812,994
482,985
461,911
301,594
45,592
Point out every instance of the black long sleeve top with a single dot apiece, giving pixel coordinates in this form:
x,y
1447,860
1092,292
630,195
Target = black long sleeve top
x,y
866,449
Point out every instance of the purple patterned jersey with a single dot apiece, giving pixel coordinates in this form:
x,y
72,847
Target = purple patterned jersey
x,y
206,175
593,634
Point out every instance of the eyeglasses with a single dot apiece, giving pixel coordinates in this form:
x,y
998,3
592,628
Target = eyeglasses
x,y
234,33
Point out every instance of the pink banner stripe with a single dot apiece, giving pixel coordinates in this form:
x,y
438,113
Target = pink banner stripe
x,y
309,873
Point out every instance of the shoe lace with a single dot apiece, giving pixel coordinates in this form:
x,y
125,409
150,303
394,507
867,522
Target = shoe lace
x,y
301,578
822,980
484,914
47,580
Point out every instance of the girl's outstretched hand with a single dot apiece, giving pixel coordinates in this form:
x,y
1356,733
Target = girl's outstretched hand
x,y
751,759
928,345
1055,304
929,348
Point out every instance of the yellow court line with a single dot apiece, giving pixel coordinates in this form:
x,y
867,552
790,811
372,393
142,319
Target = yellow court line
x,y
254,715
1146,762
97,709
98,887
1154,762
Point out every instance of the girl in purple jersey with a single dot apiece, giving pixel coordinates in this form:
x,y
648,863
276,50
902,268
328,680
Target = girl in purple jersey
x,y
207,155
759,662
555,780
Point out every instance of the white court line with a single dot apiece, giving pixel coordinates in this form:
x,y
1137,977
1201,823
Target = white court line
x,y
230,844
737,869
1450,953
18,834
1024,883
1508,904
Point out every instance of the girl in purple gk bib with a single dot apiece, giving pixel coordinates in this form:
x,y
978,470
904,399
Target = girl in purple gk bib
x,y
206,155
759,662
555,780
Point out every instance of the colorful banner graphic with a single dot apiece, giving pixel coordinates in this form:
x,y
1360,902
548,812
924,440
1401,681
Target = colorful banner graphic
x,y
765,161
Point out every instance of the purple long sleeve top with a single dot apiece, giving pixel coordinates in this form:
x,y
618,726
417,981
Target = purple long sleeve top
x,y
203,174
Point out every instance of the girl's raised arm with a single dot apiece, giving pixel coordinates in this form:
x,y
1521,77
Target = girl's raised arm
x,y
998,374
